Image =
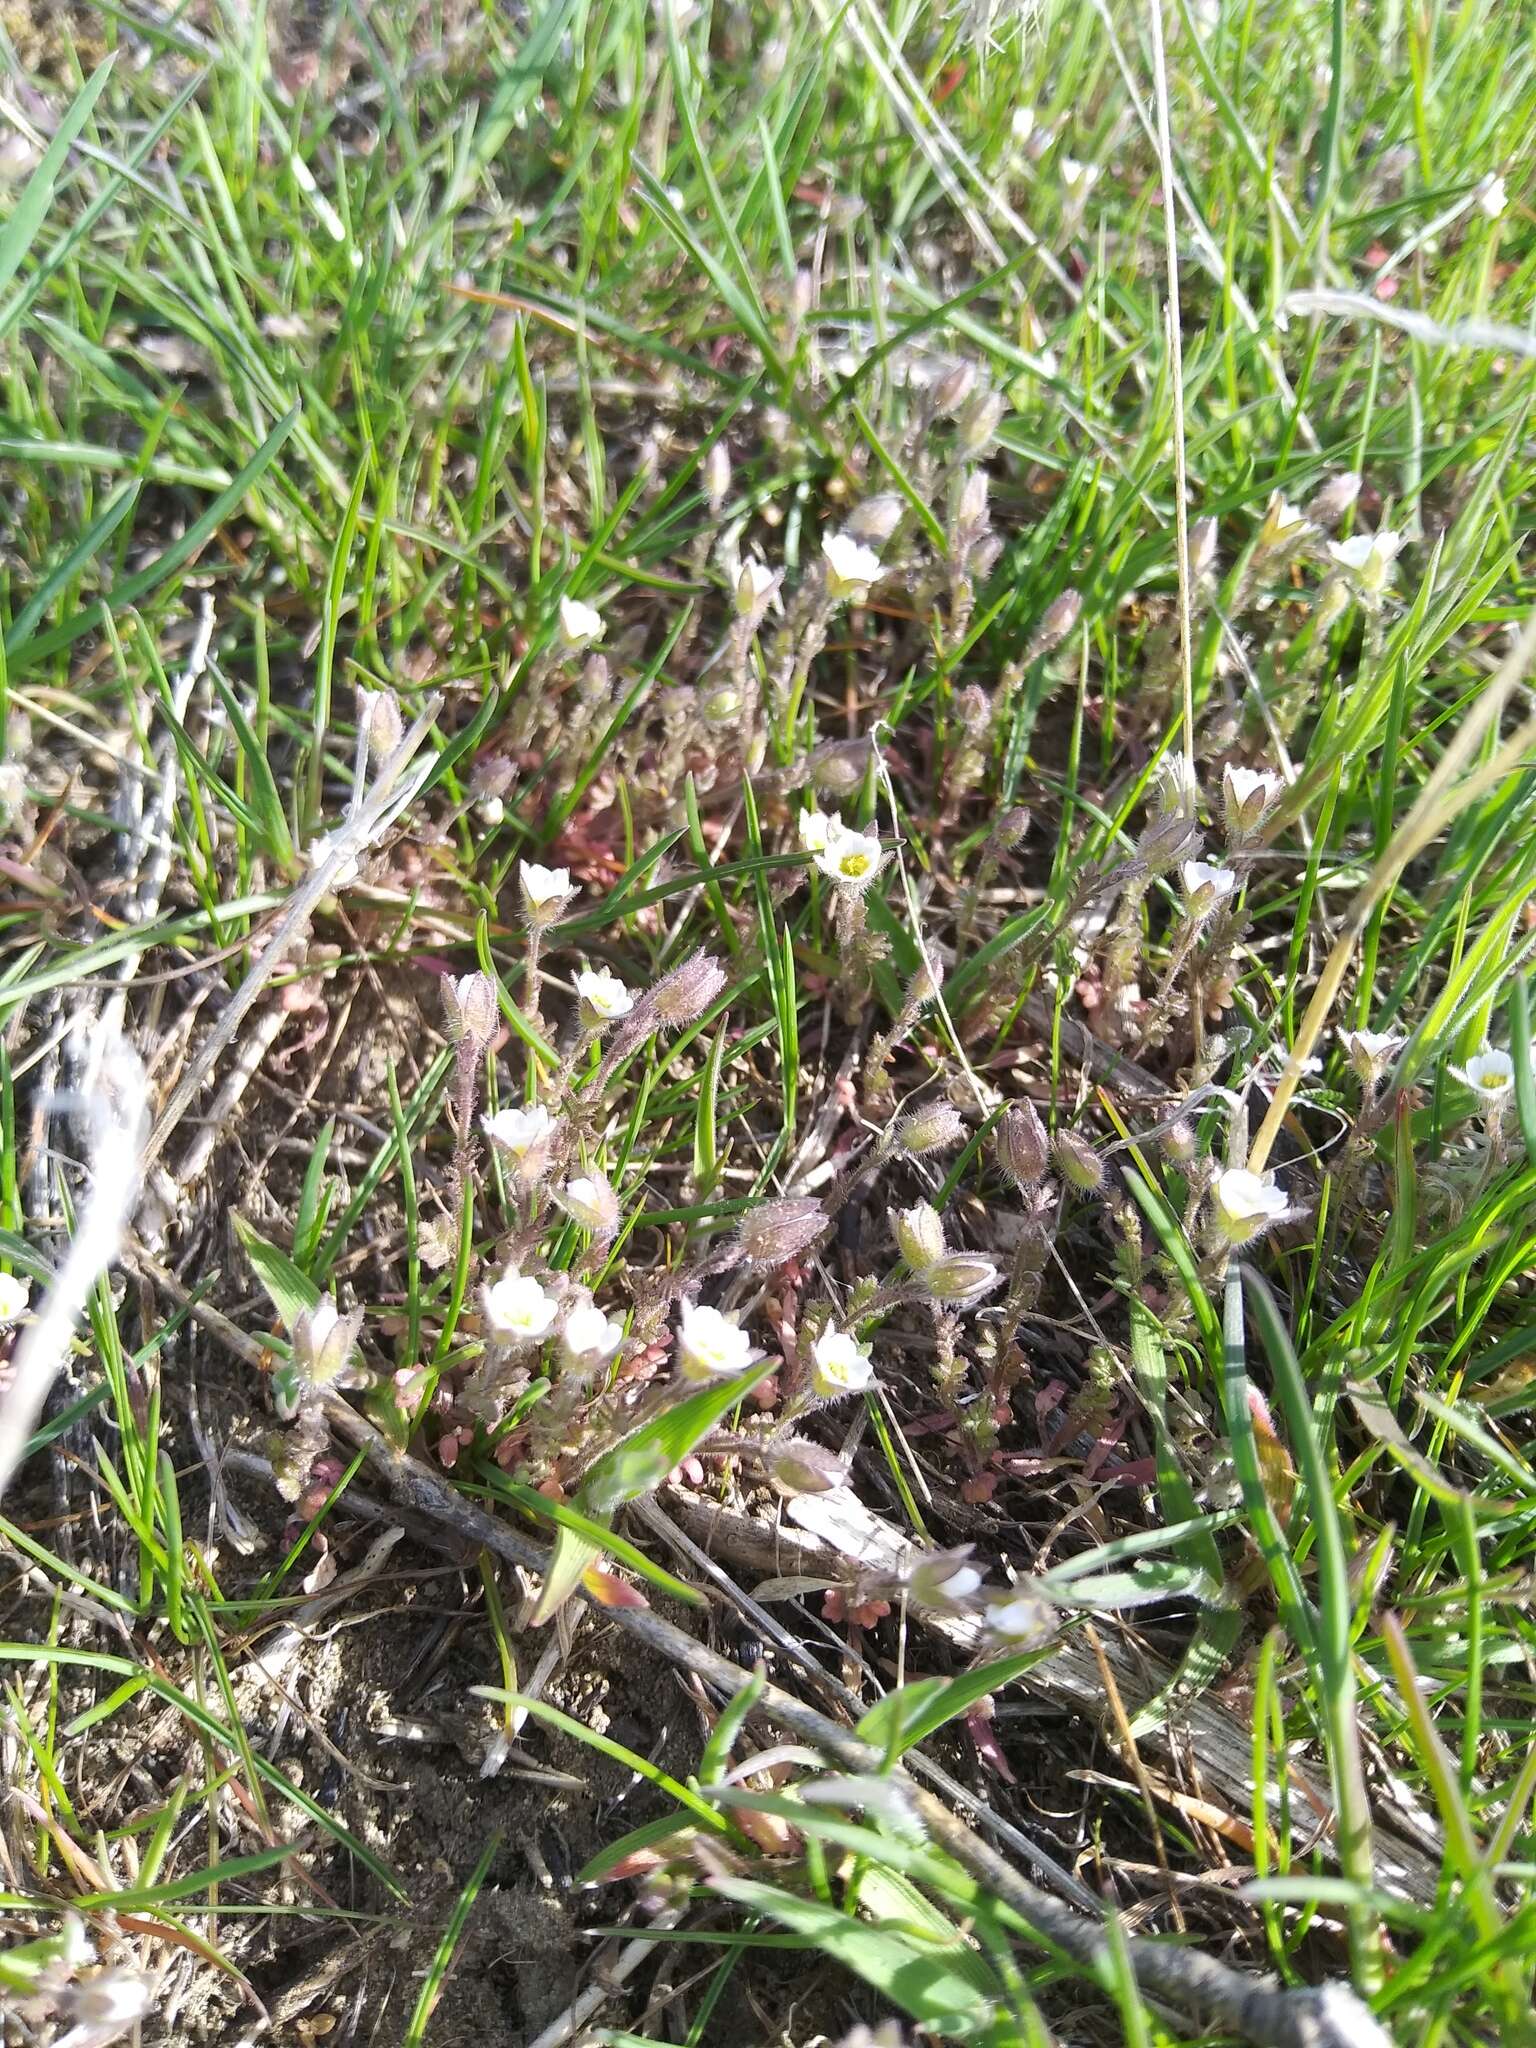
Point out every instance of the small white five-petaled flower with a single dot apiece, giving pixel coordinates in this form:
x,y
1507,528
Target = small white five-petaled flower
x,y
1205,886
1490,1073
15,1293
851,859
840,1365
711,1346
851,567
543,886
1246,1204
581,625
519,1132
1369,1051
590,1337
1368,557
1246,795
518,1309
604,994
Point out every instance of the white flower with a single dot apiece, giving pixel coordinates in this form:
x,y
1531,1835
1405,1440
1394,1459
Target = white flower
x,y
1205,886
851,859
1369,1051
840,1365
1246,794
1492,195
1246,1204
754,586
1017,1618
711,1346
1368,557
813,827
851,567
15,1293
589,1336
580,624
1174,786
518,1309
1078,177
1490,1073
591,1202
955,1586
520,1132
604,994
543,886
1022,124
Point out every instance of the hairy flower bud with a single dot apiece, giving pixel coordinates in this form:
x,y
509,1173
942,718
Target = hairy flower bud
x,y
469,1010
796,1465
1246,797
683,996
979,421
1056,622
937,1127
590,1200
717,476
876,519
953,387
960,1279
1077,1163
1334,499
379,714
1167,841
774,1232
1022,1147
1202,547
919,1236
970,504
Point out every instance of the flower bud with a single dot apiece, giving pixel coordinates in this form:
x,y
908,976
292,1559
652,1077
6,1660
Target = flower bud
x,y
1202,547
919,1236
1283,525
379,714
1077,1163
944,1578
470,1010
590,1201
952,388
1167,841
839,770
1175,788
796,1465
874,521
1021,1144
970,504
775,1232
1180,1143
938,1127
1334,499
1056,622
960,1279
580,624
979,421
754,586
717,476
1018,1620
683,996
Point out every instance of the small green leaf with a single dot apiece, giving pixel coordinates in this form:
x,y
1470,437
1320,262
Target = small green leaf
x,y
291,1291
643,1460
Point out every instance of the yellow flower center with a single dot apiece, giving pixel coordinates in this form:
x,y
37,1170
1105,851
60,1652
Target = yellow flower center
x,y
854,864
